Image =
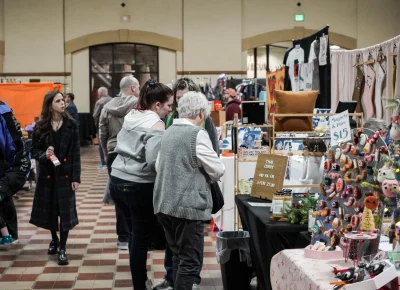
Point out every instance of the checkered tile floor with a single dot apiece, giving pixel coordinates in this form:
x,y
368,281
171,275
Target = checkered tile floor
x,y
95,262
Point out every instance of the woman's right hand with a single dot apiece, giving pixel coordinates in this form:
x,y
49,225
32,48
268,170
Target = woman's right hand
x,y
49,152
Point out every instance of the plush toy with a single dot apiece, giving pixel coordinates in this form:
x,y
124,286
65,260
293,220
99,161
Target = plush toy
x,y
371,202
388,186
386,172
395,129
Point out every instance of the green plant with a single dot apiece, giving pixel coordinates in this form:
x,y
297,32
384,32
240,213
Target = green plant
x,y
298,212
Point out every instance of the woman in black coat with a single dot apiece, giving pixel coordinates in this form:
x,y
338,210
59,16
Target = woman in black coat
x,y
56,134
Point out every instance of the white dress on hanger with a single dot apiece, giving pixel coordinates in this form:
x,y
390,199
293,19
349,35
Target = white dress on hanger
x,y
380,79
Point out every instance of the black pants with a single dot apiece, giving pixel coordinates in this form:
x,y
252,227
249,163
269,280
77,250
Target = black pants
x,y
9,215
135,201
122,226
186,240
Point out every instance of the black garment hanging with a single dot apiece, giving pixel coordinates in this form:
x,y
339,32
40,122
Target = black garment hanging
x,y
287,84
324,97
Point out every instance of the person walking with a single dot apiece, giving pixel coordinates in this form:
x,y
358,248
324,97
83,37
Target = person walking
x,y
182,210
55,145
233,105
110,124
133,173
102,99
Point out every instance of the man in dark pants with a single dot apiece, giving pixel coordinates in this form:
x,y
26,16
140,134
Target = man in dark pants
x,y
110,124
14,169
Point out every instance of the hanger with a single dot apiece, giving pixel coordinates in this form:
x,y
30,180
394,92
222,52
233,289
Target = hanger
x,y
381,56
358,63
394,53
370,59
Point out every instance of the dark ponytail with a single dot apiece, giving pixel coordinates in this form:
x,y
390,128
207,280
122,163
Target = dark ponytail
x,y
153,92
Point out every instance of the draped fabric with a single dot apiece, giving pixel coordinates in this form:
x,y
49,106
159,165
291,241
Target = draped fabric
x,y
344,74
26,99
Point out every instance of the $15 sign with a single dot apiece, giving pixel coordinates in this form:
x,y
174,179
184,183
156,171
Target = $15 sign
x,y
340,128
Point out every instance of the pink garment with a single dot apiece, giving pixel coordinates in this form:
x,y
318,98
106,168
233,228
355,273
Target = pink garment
x,y
367,99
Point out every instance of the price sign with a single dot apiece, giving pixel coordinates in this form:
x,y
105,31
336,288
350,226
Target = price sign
x,y
340,128
269,175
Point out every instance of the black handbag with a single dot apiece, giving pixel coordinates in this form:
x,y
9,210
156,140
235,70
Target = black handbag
x,y
217,197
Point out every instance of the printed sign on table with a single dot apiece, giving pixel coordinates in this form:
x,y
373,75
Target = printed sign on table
x,y
269,175
340,128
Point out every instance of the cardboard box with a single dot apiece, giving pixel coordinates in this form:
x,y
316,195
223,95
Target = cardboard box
x,y
219,117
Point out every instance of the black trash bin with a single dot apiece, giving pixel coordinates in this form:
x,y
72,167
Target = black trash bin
x,y
233,255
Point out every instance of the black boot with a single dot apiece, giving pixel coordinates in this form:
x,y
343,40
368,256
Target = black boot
x,y
53,247
62,258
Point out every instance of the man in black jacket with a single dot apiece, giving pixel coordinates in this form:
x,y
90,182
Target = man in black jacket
x,y
14,167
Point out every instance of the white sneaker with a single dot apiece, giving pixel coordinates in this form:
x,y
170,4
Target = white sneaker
x,y
122,246
149,285
196,287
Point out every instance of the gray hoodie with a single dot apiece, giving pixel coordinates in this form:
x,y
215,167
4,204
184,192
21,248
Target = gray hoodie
x,y
137,147
112,118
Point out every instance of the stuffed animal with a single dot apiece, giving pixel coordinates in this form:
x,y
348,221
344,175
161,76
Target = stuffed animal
x,y
386,172
395,129
388,186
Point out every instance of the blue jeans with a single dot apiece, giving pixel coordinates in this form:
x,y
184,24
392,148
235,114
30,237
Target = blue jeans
x,y
102,160
135,202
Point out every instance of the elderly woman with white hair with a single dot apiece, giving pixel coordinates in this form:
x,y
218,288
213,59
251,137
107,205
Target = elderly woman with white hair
x,y
182,195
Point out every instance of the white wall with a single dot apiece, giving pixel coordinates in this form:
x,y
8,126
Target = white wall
x,y
378,20
80,80
33,36
166,65
212,35
261,16
1,19
88,16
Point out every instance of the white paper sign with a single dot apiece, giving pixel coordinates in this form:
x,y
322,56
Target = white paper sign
x,y
339,125
258,204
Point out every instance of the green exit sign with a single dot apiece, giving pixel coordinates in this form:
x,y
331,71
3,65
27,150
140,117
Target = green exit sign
x,y
299,17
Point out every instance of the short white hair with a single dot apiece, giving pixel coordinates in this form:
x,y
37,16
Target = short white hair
x,y
103,90
127,82
191,104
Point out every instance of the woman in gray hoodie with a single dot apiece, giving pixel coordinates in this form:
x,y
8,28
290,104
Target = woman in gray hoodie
x,y
133,172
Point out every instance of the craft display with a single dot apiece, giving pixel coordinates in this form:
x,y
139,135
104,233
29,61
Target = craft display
x,y
350,205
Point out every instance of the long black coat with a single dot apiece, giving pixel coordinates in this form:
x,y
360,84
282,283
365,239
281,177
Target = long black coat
x,y
54,195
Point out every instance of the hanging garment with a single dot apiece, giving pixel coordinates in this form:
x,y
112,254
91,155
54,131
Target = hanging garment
x,y
367,99
380,79
295,58
358,85
323,50
394,75
306,72
397,85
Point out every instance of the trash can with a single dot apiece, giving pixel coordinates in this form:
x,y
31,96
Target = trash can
x,y
233,255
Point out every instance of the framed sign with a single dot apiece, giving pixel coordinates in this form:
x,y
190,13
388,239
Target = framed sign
x,y
340,128
269,175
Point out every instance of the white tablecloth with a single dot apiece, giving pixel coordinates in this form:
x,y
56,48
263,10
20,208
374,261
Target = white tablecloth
x,y
225,218
290,270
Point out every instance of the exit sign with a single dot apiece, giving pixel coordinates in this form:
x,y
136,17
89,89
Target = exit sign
x,y
299,17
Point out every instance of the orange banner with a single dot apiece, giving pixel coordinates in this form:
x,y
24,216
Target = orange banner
x,y
26,99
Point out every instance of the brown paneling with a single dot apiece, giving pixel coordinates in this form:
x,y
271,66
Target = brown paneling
x,y
297,32
123,35
211,72
36,74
